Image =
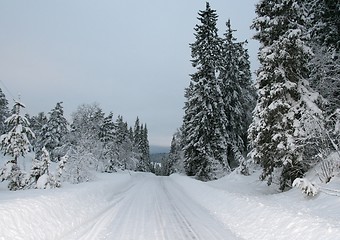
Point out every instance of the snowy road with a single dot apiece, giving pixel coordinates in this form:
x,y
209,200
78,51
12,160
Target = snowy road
x,y
138,206
151,208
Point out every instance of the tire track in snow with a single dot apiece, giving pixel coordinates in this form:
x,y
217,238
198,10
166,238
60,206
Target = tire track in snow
x,y
197,220
92,228
152,208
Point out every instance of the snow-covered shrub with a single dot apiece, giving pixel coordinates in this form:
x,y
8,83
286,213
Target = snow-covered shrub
x,y
60,170
12,173
46,181
79,165
327,171
329,167
40,176
306,186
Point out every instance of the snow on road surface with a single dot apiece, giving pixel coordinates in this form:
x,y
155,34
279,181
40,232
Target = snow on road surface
x,y
143,206
152,208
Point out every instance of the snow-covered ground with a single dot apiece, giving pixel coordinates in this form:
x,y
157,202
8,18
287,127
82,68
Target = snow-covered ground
x,y
143,206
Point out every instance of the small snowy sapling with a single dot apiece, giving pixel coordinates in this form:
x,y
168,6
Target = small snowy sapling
x,y
306,186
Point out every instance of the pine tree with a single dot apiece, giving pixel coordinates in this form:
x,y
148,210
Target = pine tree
x,y
324,27
324,17
4,112
37,122
145,148
54,131
107,129
248,92
238,95
284,129
174,163
137,134
203,129
142,146
124,144
107,136
15,143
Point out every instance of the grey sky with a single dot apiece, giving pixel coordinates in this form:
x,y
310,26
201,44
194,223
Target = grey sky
x,y
130,56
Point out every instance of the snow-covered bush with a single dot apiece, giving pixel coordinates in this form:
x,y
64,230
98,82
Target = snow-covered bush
x,y
79,165
60,170
306,186
327,171
12,173
40,176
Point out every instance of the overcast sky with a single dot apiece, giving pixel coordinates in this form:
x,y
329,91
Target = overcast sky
x,y
132,57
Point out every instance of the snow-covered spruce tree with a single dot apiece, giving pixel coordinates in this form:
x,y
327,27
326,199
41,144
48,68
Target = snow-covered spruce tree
x,y
238,96
4,112
249,94
286,123
145,148
324,22
142,146
15,143
108,138
54,131
36,124
204,142
174,163
248,102
124,144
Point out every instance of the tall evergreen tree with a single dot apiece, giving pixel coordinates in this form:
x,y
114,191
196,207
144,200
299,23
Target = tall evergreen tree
x,y
146,149
54,131
142,146
284,130
4,112
15,143
137,133
37,122
124,144
107,137
248,91
238,95
203,129
325,22
107,129
174,162
324,28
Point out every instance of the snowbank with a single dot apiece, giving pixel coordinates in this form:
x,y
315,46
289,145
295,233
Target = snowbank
x,y
46,214
254,211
